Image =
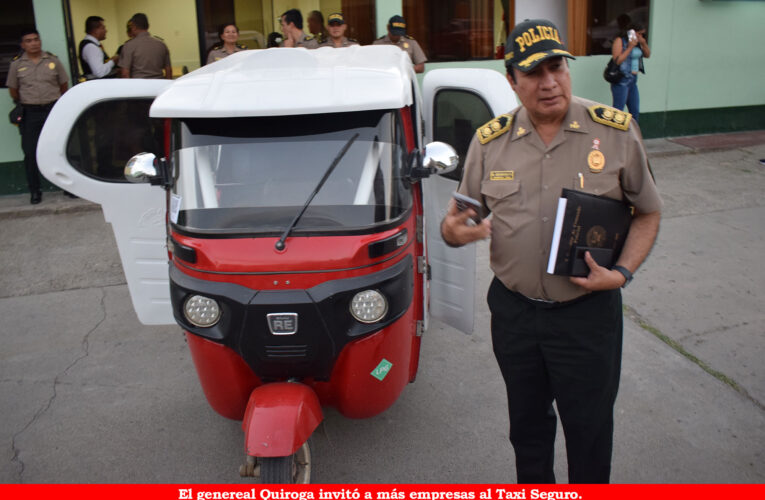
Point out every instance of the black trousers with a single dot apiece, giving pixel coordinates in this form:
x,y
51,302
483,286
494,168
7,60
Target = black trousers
x,y
569,353
30,128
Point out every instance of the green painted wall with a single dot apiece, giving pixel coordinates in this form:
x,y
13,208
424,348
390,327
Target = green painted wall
x,y
386,10
705,56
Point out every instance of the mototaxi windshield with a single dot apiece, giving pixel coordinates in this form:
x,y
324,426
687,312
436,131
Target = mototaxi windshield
x,y
253,175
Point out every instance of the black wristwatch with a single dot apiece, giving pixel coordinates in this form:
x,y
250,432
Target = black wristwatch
x,y
625,272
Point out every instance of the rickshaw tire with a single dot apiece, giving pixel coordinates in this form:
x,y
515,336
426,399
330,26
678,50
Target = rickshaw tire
x,y
276,470
294,469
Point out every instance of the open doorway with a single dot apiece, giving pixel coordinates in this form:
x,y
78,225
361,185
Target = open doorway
x,y
174,21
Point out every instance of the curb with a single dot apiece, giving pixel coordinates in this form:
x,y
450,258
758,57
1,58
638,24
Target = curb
x,y
17,206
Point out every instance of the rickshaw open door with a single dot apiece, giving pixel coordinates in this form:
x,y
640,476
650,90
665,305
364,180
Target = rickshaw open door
x,y
84,146
457,102
295,226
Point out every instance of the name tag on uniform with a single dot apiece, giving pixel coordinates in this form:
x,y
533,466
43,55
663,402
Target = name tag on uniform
x,y
502,175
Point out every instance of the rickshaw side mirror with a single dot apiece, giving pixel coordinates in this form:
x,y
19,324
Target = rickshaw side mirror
x,y
145,167
439,158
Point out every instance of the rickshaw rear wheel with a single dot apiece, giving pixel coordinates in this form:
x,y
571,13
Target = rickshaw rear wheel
x,y
294,469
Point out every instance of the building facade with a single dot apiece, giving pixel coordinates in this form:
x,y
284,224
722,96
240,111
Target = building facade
x,y
704,76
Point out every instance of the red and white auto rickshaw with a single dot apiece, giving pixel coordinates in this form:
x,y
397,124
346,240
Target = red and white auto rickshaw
x,y
287,220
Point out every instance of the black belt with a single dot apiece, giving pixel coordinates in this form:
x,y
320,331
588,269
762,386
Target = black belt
x,y
550,304
40,107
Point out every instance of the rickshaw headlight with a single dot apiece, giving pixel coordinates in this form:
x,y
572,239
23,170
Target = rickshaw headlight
x,y
201,311
369,306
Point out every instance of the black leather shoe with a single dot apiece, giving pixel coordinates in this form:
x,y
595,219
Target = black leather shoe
x,y
69,195
35,198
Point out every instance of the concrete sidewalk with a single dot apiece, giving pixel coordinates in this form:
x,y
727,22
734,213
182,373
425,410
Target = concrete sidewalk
x,y
90,395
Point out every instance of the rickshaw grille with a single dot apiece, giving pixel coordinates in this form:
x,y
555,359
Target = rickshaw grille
x,y
286,351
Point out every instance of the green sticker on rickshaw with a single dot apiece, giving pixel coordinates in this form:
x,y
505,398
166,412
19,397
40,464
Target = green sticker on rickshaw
x,y
382,370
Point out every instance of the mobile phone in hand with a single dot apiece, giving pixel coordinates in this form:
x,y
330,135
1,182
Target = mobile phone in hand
x,y
465,202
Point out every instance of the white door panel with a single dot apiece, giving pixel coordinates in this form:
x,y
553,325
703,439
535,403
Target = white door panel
x,y
135,211
452,290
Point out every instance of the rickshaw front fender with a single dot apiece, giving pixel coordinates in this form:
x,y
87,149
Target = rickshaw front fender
x,y
280,417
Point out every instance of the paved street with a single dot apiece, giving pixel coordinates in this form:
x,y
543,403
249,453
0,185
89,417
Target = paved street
x,y
88,394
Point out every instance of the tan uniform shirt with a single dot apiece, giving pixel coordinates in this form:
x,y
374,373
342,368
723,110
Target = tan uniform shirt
x,y
345,42
145,56
519,180
307,41
216,54
408,45
37,83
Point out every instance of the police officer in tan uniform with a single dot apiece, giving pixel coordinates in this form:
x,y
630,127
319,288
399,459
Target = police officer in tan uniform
x,y
555,338
36,79
294,36
316,27
144,56
229,36
397,36
337,27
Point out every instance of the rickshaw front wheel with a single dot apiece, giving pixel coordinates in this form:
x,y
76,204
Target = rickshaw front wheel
x,y
294,469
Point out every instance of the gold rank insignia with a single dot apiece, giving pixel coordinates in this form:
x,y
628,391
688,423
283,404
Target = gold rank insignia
x,y
406,45
596,161
574,124
520,131
493,129
52,65
610,116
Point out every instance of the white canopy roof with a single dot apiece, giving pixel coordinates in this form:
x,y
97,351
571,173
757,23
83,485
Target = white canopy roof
x,y
292,81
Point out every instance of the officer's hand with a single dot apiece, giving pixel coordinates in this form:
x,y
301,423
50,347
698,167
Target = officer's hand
x,y
458,230
599,278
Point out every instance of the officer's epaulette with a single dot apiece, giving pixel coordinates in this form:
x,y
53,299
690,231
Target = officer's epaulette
x,y
18,55
158,38
309,37
217,46
494,128
241,47
353,40
319,37
610,116
409,37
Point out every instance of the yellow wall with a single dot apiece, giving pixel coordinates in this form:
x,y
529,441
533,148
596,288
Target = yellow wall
x,y
82,9
175,21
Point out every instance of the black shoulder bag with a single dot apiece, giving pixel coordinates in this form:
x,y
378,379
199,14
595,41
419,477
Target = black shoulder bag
x,y
612,73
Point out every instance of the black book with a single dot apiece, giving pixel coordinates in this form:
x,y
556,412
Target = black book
x,y
587,222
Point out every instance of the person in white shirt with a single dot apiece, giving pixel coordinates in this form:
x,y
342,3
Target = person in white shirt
x,y
95,62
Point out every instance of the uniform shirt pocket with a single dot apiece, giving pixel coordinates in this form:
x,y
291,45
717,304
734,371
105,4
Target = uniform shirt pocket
x,y
601,185
501,193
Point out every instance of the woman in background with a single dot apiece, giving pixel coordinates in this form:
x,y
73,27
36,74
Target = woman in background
x,y
628,51
229,35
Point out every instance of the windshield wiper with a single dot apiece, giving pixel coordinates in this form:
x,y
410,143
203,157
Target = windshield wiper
x,y
280,244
